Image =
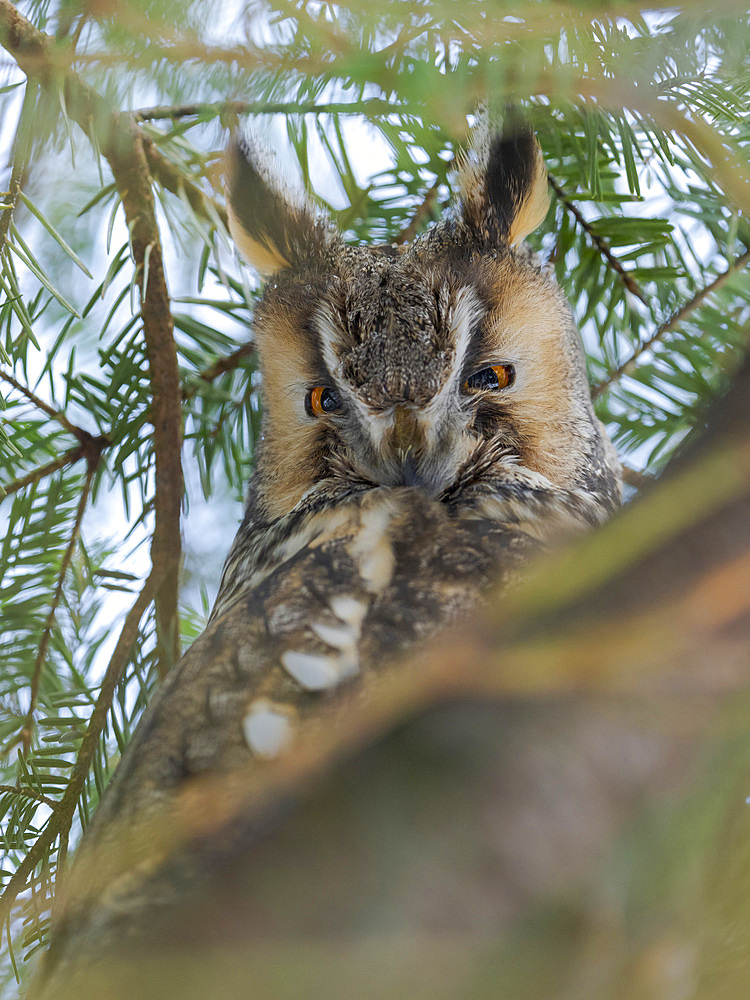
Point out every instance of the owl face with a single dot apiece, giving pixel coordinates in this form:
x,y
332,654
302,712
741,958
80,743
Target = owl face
x,y
435,366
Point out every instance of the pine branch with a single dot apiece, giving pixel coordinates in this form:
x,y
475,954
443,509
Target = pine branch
x,y
62,816
669,325
41,656
69,457
122,143
170,178
602,246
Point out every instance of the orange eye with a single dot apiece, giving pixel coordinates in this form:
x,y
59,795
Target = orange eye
x,y
321,400
492,377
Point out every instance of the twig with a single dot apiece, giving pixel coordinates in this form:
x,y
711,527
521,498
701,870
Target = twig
x,y
14,187
67,458
41,656
225,364
670,324
61,818
29,793
372,108
602,246
18,172
423,211
51,412
638,480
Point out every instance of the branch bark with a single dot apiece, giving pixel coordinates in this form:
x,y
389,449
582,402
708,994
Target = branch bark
x,y
134,184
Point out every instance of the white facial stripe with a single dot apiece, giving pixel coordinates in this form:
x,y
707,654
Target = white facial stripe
x,y
464,314
463,317
330,337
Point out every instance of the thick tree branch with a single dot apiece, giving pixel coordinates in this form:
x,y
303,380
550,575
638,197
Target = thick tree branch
x,y
134,183
670,324
602,246
59,823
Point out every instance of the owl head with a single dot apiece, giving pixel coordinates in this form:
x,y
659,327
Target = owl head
x,y
435,365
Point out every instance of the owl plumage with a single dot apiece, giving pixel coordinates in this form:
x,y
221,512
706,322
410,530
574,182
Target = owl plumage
x,y
452,427
427,426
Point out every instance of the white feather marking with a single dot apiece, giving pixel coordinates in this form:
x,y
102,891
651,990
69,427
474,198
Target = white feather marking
x,y
349,609
267,728
371,547
341,637
311,670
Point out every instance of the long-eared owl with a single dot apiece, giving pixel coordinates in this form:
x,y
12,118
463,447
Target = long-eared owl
x,y
427,425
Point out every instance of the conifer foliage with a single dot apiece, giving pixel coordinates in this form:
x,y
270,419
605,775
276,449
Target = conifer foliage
x,y
126,356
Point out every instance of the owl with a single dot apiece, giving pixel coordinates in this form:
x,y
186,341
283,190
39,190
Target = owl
x,y
427,427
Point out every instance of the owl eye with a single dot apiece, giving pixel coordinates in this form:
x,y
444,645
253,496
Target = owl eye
x,y
492,377
320,400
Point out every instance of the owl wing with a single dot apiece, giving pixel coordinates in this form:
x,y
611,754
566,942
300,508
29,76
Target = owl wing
x,y
375,574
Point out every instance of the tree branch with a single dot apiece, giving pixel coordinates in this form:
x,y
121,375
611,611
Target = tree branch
x,y
669,325
372,108
169,177
638,480
61,818
602,246
219,367
133,181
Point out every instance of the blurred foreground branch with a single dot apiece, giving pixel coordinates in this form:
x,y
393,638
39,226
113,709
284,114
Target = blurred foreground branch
x,y
476,804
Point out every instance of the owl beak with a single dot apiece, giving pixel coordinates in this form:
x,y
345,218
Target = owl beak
x,y
407,435
407,441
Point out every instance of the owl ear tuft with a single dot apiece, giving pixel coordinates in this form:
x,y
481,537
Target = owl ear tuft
x,y
271,227
503,184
